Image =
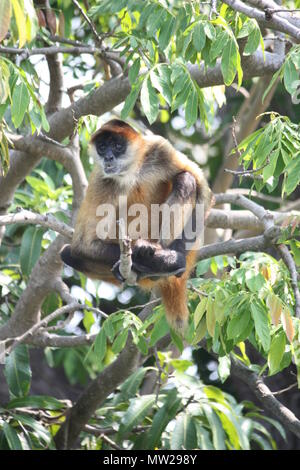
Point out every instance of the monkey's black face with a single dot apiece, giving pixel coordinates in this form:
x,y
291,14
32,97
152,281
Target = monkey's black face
x,y
111,148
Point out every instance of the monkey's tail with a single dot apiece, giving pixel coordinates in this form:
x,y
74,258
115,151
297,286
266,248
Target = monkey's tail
x,y
174,297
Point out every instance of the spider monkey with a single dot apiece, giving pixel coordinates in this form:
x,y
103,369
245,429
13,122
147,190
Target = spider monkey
x,y
147,170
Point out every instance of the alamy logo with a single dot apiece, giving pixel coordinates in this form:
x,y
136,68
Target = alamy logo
x,y
158,222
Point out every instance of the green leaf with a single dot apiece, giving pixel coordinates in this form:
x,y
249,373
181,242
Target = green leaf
x,y
216,427
290,76
5,14
219,44
149,100
203,437
261,324
229,61
200,332
20,20
184,435
136,413
200,310
255,282
162,418
276,352
166,32
209,31
191,108
130,100
109,329
161,81
20,103
237,324
177,340
199,36
120,341
41,433
142,345
253,39
12,437
130,387
17,371
100,346
224,368
134,71
293,175
39,401
30,248
210,317
272,82
161,328
203,267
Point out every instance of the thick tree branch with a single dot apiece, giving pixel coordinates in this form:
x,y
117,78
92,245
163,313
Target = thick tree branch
x,y
271,4
56,86
92,397
265,396
25,217
274,21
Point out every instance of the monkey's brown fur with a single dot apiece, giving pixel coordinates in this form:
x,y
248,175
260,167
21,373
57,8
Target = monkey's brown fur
x,y
153,163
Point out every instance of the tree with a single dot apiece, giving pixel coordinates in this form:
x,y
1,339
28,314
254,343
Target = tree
x,y
174,64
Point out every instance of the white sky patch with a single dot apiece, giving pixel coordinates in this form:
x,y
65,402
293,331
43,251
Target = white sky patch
x,y
107,291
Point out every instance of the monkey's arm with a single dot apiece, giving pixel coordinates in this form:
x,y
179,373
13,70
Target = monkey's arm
x,y
151,259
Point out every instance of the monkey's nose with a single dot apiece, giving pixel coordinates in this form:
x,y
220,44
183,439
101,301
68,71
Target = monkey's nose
x,y
109,157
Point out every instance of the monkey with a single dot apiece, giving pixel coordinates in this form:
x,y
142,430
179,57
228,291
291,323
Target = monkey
x,y
146,170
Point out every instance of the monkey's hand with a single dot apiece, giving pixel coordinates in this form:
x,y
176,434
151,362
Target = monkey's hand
x,y
151,260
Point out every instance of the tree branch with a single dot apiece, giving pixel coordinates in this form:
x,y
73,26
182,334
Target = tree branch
x,y
56,86
265,396
290,263
25,217
273,21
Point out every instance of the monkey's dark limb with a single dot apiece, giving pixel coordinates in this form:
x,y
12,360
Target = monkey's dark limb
x,y
151,260
104,257
184,187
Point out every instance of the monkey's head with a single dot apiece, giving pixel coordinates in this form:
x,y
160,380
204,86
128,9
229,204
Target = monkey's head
x,y
114,148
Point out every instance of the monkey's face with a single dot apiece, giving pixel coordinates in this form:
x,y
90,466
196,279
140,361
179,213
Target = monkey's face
x,y
111,153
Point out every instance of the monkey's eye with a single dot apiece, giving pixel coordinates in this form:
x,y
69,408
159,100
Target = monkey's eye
x,y
118,147
101,148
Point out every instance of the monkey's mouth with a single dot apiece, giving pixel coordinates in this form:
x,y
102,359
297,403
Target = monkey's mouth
x,y
110,169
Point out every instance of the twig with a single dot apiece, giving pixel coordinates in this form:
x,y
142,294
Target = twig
x,y
272,10
198,291
285,389
160,371
29,333
125,255
244,173
98,39
258,195
234,137
290,263
95,431
108,440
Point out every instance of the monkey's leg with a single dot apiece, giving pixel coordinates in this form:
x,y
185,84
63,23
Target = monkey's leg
x,y
151,260
98,265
